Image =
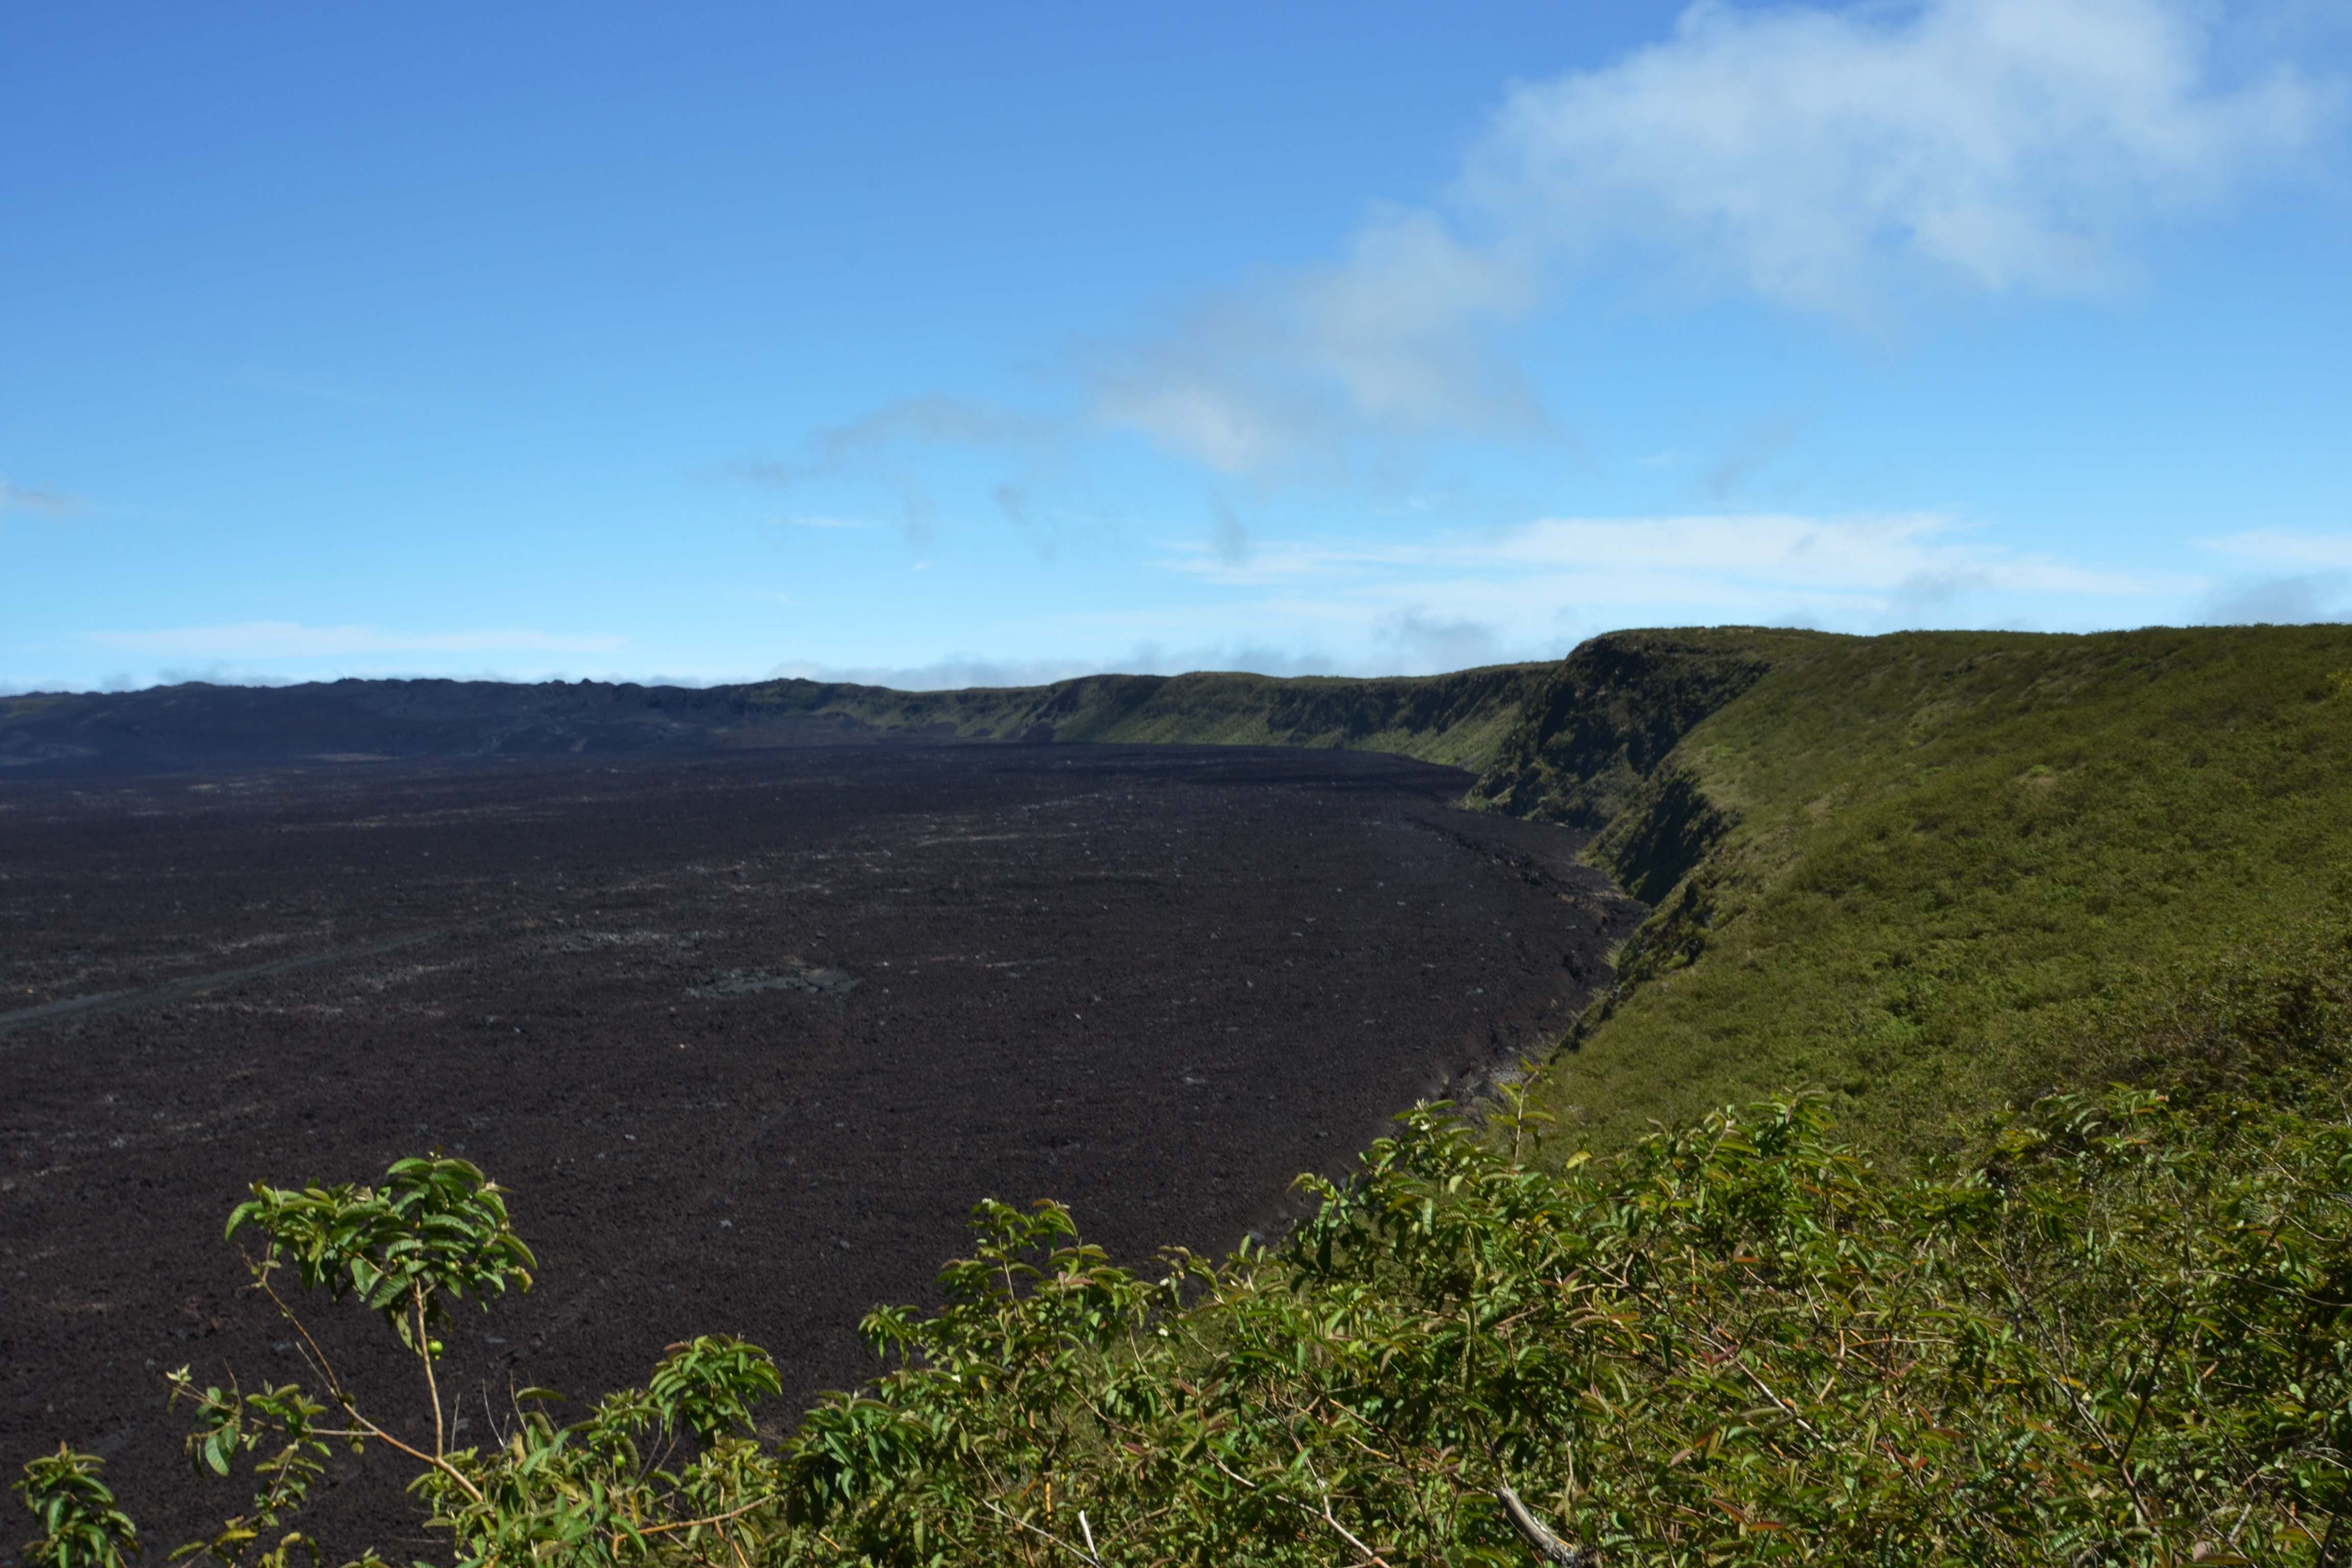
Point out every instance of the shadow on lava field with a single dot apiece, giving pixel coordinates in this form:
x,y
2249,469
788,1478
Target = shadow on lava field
x,y
747,1036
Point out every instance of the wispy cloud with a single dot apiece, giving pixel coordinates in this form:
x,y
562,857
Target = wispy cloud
x,y
932,419
42,501
1418,641
941,674
1869,554
1748,456
1516,584
1814,156
1397,338
2281,577
1229,537
1833,161
1847,161
1144,658
2280,547
2293,599
292,640
1532,592
821,522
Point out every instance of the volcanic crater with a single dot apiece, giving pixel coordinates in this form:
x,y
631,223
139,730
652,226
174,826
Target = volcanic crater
x,y
746,1035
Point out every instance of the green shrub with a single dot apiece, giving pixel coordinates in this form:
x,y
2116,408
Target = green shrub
x,y
2120,1332
605,1490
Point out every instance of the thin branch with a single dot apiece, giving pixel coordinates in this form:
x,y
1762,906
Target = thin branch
x,y
711,1519
1070,1546
2147,1381
2122,1471
1739,1358
1348,1536
381,1436
424,1352
326,1368
336,1391
1550,1548
1323,1495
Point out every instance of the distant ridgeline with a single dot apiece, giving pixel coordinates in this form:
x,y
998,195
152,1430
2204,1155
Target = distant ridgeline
x,y
1615,705
1921,870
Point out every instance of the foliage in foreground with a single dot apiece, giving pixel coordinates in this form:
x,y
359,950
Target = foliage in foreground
x,y
2119,1335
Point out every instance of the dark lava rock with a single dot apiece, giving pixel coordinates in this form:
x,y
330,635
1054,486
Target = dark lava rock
x,y
747,1036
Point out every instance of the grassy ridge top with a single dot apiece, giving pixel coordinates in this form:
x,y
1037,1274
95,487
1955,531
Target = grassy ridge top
x,y
1925,871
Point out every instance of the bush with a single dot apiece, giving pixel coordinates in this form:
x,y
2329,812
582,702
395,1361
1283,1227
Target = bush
x,y
434,1232
2116,1334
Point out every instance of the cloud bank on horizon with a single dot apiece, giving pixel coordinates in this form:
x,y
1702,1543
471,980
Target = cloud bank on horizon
x,y
1855,317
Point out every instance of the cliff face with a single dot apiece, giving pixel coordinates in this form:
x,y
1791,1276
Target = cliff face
x,y
1600,723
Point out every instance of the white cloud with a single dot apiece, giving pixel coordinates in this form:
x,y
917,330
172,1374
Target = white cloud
x,y
822,523
1868,555
2277,547
1532,592
1395,339
290,639
1829,160
1416,641
1514,592
1145,657
2288,578
2297,599
949,674
1810,154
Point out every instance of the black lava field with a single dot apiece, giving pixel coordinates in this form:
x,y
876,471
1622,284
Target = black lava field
x,y
746,1036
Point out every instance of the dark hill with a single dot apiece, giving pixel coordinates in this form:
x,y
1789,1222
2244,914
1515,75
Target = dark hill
x,y
1458,719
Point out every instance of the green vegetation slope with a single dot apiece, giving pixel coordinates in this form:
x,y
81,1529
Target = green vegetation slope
x,y
1935,870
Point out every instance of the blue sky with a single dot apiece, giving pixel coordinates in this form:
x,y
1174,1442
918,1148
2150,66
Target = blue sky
x,y
939,344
